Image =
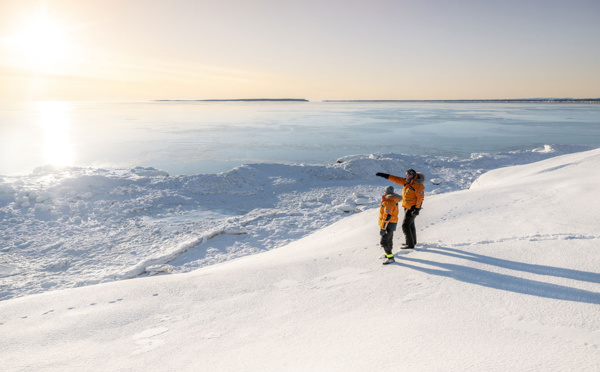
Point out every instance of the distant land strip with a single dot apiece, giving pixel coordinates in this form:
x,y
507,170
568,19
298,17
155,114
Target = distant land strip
x,y
236,100
520,100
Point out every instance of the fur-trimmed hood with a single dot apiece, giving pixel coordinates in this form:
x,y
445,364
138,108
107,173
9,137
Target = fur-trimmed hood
x,y
419,178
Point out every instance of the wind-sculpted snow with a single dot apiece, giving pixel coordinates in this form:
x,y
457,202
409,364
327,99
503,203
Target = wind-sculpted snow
x,y
71,227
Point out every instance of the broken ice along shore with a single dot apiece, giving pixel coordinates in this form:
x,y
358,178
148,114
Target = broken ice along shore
x,y
70,227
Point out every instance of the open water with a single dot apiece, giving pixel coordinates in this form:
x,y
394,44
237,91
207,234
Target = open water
x,y
210,137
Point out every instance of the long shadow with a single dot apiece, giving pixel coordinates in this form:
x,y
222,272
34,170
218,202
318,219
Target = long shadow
x,y
504,282
519,266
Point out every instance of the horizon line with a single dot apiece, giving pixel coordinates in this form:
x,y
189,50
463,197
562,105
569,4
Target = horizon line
x,y
500,100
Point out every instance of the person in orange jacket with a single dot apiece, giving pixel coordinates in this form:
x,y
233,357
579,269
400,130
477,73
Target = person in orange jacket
x,y
388,219
413,193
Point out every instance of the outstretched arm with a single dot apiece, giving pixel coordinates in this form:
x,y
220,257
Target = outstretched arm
x,y
395,179
398,180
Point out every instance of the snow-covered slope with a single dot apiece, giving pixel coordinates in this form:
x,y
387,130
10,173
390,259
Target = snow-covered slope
x,y
506,279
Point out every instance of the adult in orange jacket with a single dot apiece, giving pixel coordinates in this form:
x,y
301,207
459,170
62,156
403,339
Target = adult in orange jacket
x,y
388,219
413,193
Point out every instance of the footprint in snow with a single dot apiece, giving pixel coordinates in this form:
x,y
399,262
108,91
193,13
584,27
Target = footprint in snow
x,y
210,335
341,277
147,341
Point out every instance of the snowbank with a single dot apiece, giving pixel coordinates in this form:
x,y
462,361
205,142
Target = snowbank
x,y
506,278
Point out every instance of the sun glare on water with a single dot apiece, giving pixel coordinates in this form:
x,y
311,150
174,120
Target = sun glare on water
x,y
54,121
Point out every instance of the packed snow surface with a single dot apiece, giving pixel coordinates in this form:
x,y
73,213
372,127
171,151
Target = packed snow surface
x,y
505,277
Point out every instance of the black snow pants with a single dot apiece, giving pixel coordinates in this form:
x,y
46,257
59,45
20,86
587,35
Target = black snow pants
x,y
387,240
408,228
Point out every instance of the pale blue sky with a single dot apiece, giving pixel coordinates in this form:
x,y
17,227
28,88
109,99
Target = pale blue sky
x,y
375,49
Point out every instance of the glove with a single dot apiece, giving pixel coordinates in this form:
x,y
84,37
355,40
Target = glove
x,y
382,232
416,211
384,175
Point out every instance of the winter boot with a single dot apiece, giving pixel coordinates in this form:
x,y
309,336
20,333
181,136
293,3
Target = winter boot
x,y
389,260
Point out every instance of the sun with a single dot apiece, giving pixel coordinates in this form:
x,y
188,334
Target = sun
x,y
40,43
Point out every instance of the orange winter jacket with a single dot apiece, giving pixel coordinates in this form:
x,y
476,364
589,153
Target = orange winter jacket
x,y
413,192
388,212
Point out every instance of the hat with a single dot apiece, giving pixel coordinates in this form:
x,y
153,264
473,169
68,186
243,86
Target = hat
x,y
412,172
389,190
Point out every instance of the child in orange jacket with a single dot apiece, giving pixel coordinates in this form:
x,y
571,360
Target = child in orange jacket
x,y
388,219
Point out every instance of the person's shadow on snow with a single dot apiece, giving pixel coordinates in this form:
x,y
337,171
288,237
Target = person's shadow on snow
x,y
508,282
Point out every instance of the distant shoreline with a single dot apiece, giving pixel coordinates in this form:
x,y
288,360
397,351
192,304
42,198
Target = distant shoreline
x,y
236,100
522,100
517,100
